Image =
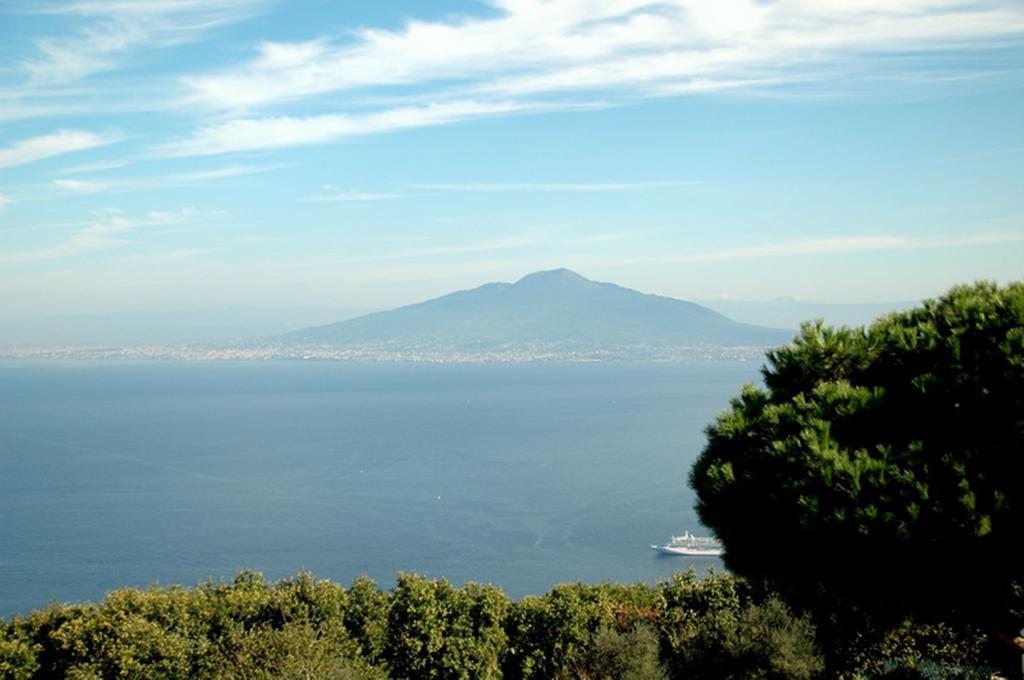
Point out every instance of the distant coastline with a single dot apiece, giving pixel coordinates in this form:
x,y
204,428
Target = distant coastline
x,y
510,354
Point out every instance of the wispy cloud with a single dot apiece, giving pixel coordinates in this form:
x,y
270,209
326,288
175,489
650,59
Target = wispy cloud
x,y
159,182
95,167
77,58
224,172
111,30
255,239
550,186
161,217
169,257
480,247
250,134
108,230
649,46
4,202
76,186
825,246
995,153
54,144
539,237
535,56
332,195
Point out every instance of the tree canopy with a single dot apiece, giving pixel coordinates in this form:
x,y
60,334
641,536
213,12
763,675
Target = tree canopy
x,y
423,629
882,467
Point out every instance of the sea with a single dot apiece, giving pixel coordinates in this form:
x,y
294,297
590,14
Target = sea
x,y
519,475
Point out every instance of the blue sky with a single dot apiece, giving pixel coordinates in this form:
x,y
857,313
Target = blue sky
x,y
203,169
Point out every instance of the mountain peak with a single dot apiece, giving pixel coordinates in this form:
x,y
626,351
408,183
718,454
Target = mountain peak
x,y
561,276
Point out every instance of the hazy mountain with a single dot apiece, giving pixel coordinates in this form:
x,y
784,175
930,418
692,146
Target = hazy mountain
x,y
790,312
556,309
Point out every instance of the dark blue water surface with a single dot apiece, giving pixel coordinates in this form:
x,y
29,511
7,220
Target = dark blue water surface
x,y
519,475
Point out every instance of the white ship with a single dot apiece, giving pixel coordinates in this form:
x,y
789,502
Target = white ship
x,y
692,546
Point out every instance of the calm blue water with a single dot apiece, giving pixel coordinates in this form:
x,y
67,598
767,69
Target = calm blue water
x,y
520,475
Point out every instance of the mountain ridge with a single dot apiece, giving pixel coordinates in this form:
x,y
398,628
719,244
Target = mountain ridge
x,y
551,310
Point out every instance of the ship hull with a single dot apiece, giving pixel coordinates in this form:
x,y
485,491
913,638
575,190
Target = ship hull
x,y
687,552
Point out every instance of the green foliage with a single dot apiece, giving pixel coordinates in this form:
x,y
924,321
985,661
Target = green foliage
x,y
769,642
550,636
289,629
17,657
718,628
697,615
307,628
438,631
293,651
901,442
630,655
366,617
937,650
133,633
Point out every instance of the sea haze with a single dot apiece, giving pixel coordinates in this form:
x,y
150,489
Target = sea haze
x,y
521,475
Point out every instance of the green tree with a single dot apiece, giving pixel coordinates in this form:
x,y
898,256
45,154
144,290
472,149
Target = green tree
x,y
435,630
549,635
881,469
366,617
629,655
719,628
715,627
768,642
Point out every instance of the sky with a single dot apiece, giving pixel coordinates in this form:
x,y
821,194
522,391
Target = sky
x,y
200,170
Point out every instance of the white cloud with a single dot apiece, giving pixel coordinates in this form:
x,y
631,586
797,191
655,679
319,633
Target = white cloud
x,y
77,186
108,230
110,30
541,237
99,166
159,182
54,76
171,216
351,196
444,251
250,134
4,202
224,172
103,234
54,144
535,55
170,256
861,244
255,239
550,186
825,246
539,47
